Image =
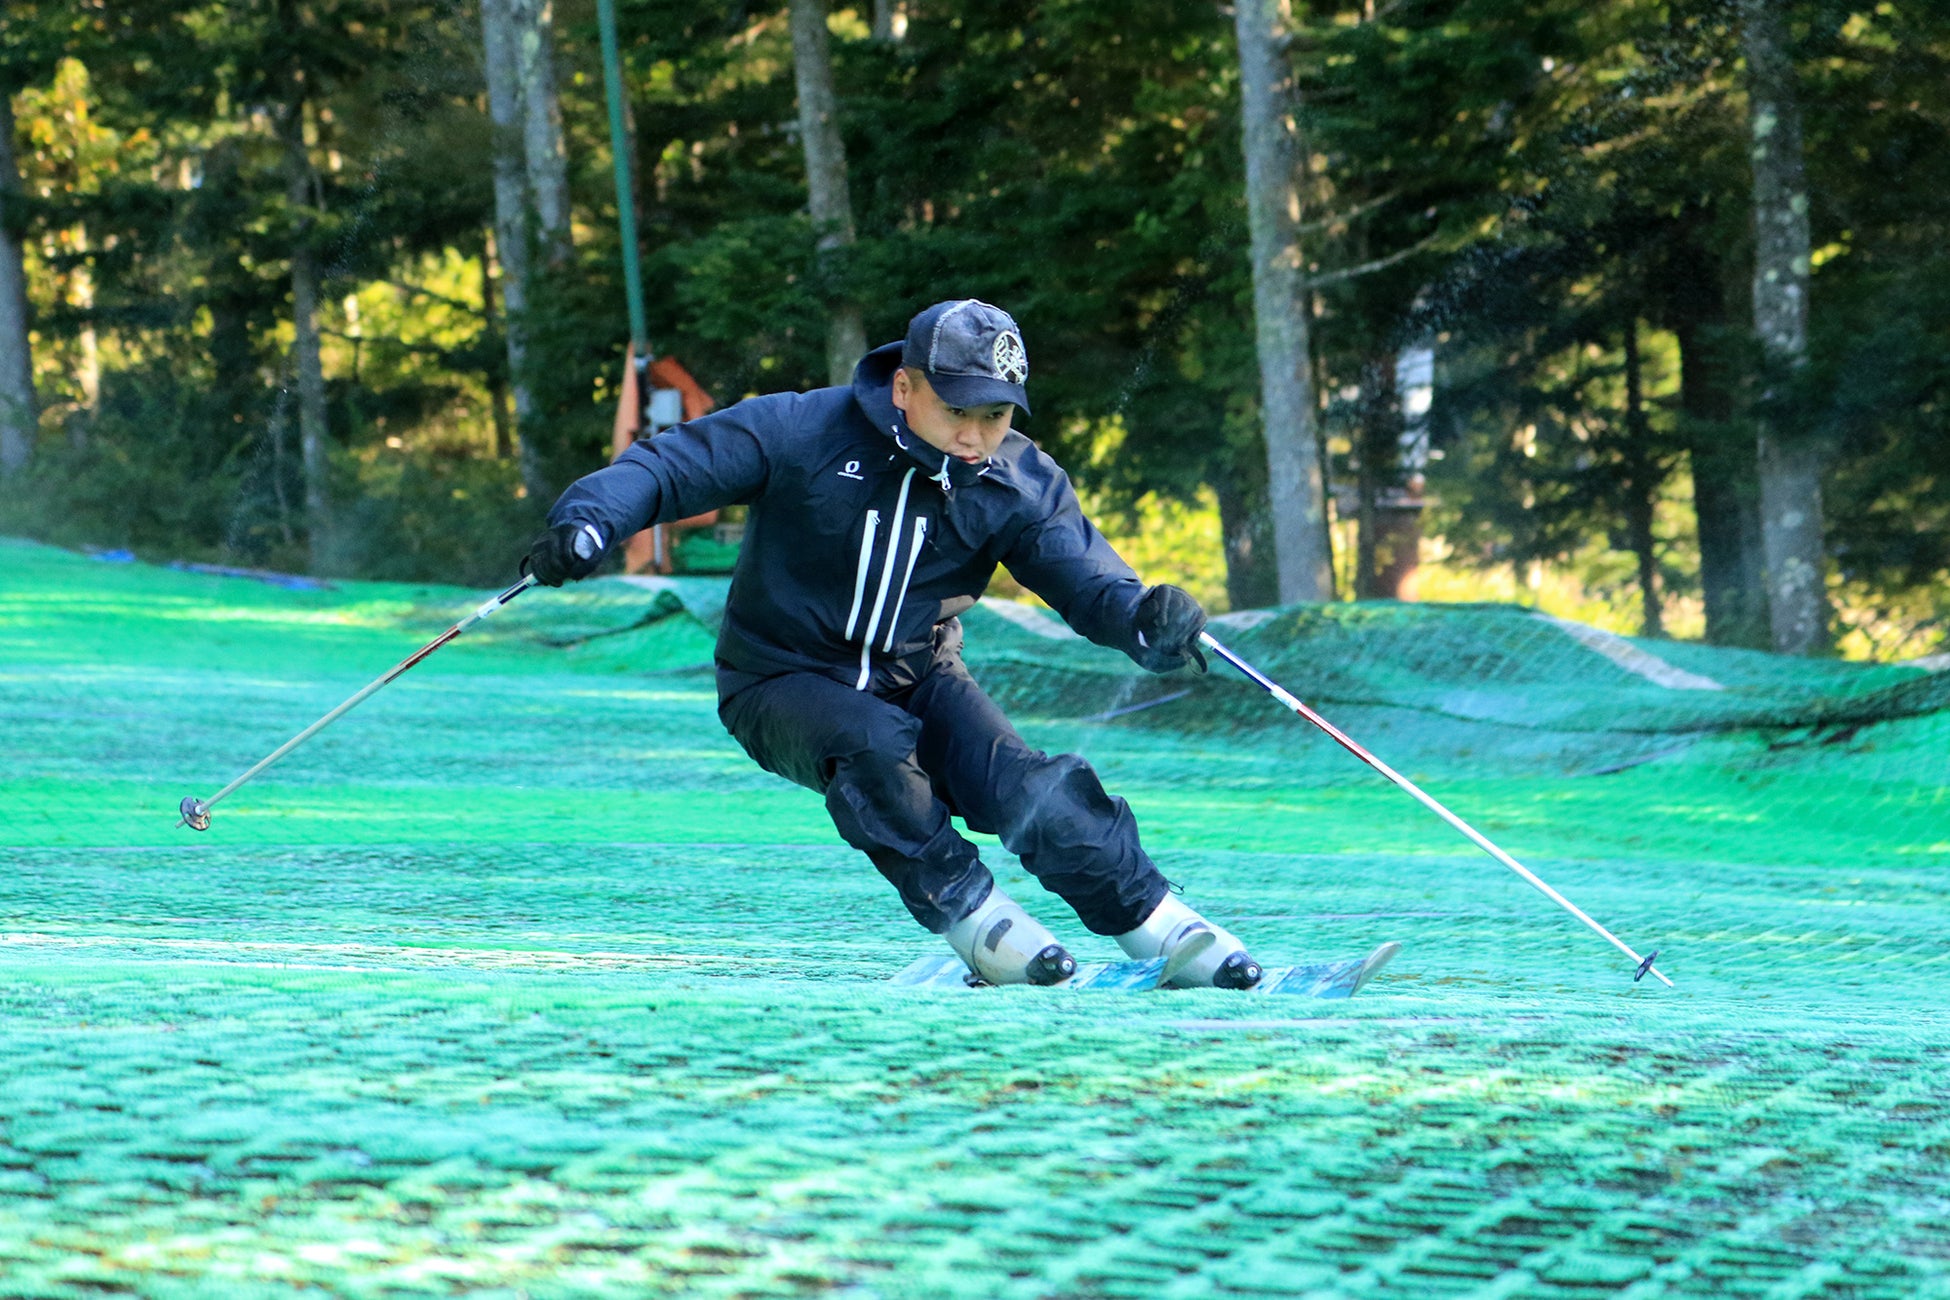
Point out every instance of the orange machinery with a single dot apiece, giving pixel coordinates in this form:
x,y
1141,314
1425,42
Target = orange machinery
x,y
674,396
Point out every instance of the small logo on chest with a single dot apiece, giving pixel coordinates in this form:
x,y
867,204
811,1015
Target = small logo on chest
x,y
852,471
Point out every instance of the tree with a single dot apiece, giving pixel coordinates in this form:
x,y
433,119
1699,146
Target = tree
x,y
1690,166
1410,113
33,39
1874,89
1295,482
1691,277
532,24
832,209
1558,198
303,195
1641,471
1625,222
19,408
1790,465
292,154
513,224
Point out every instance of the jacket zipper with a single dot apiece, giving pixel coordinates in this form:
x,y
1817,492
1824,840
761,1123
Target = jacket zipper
x,y
886,581
867,537
913,554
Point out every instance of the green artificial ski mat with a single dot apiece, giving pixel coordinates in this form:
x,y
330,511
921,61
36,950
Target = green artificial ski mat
x,y
522,981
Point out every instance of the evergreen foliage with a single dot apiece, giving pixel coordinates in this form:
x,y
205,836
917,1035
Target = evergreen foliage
x,y
1553,195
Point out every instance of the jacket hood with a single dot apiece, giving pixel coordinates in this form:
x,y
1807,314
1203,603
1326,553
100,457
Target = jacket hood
x,y
873,393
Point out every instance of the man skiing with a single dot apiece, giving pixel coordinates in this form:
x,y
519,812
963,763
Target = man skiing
x,y
877,514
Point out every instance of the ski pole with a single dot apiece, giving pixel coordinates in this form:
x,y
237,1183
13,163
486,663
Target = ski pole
x,y
196,812
1482,841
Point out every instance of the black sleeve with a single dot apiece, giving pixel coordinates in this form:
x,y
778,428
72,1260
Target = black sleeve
x,y
716,460
1064,559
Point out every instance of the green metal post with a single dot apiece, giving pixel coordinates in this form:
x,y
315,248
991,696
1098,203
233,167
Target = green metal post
x,y
619,148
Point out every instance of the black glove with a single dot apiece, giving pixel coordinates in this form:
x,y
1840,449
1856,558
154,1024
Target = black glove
x,y
1168,622
565,553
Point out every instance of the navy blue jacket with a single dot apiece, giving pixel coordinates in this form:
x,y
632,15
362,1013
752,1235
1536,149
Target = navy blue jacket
x,y
861,540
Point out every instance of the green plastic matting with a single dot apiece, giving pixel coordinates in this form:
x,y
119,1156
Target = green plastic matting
x,y
521,980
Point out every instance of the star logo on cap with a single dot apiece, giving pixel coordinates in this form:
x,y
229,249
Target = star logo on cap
x,y
1011,358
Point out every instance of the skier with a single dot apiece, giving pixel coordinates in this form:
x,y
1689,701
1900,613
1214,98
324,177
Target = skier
x,y
877,514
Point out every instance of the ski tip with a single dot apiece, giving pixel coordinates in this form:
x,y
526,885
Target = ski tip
x,y
1371,965
1646,965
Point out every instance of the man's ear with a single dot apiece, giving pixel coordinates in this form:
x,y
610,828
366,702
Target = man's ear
x,y
903,388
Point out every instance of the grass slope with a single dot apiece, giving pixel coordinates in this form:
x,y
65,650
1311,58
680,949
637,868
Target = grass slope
x,y
522,981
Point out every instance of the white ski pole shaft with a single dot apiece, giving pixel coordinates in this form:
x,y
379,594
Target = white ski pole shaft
x,y
196,812
1482,841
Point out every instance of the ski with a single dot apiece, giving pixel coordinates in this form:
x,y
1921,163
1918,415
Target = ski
x,y
1326,979
1329,979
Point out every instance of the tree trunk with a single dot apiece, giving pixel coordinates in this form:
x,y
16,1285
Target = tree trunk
x,y
1295,488
1365,490
513,221
301,192
1641,475
1726,503
1310,305
237,382
889,20
1790,466
543,148
1726,493
280,428
1246,527
1375,457
20,411
88,380
497,380
80,294
832,210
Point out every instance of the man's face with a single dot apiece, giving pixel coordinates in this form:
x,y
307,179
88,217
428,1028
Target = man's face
x,y
969,433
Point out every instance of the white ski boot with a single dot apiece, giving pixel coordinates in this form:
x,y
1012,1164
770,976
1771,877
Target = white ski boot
x,y
1198,953
1003,944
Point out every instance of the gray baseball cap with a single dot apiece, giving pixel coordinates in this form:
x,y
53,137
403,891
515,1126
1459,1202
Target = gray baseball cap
x,y
972,353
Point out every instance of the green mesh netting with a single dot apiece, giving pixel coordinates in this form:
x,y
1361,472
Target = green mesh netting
x,y
522,980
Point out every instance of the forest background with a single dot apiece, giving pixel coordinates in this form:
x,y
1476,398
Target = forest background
x,y
337,286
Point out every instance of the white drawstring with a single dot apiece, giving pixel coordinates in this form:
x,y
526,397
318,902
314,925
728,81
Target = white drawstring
x,y
913,554
860,573
886,581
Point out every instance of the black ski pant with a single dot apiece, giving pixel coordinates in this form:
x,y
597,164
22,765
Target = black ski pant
x,y
895,768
